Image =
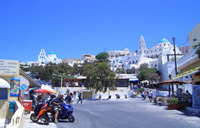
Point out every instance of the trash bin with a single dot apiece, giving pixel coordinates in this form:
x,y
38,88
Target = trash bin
x,y
27,104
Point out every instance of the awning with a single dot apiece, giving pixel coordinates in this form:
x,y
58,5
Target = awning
x,y
133,80
145,81
4,84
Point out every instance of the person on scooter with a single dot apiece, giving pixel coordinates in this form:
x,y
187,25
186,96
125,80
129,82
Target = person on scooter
x,y
52,96
56,102
68,98
39,98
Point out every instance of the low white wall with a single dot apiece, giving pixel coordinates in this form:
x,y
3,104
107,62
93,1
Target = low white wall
x,y
17,120
122,91
4,104
71,89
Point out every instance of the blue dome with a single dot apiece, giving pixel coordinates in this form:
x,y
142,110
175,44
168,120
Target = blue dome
x,y
164,40
52,53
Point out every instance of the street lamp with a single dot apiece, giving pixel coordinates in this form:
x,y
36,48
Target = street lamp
x,y
61,76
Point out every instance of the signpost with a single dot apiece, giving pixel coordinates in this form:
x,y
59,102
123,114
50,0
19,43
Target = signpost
x,y
27,104
23,87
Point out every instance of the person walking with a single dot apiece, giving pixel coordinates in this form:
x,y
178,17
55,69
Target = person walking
x,y
150,93
144,95
79,98
72,97
99,97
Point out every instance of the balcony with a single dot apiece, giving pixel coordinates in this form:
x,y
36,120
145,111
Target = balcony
x,y
187,59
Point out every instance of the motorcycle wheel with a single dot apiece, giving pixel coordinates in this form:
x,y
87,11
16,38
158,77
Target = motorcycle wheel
x,y
44,119
71,118
33,118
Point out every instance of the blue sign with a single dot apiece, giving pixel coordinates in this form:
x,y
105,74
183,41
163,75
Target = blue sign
x,y
23,87
196,96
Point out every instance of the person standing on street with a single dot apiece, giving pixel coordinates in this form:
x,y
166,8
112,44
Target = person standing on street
x,y
79,98
150,95
99,97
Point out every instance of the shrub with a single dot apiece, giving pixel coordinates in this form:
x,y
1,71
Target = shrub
x,y
141,90
172,101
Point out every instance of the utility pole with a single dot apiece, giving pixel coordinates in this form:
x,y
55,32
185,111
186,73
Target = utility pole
x,y
175,56
61,82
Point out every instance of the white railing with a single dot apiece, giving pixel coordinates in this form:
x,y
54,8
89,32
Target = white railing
x,y
187,58
17,120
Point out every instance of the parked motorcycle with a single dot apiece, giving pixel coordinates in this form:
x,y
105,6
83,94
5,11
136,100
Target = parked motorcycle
x,y
66,111
41,113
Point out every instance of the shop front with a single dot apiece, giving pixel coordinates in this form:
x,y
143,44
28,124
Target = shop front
x,y
9,92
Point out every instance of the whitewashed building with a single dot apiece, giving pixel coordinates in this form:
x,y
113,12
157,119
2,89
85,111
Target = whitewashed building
x,y
43,59
150,56
72,61
88,58
118,53
188,65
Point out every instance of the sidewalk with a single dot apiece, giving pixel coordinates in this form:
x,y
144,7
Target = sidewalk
x,y
190,110
30,124
193,111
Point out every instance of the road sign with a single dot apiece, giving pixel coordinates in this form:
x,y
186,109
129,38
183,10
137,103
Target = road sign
x,y
23,87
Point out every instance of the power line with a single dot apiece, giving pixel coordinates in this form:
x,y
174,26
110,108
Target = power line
x,y
181,44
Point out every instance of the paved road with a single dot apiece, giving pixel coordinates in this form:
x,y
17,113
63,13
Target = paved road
x,y
134,113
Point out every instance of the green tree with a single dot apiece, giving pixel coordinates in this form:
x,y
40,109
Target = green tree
x,y
63,68
102,56
150,74
153,77
143,66
45,72
120,70
130,71
99,76
89,71
77,69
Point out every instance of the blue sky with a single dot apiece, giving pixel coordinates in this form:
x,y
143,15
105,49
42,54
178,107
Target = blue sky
x,y
71,28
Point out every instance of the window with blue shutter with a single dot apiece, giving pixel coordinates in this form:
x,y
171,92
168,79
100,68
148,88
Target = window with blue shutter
x,y
3,93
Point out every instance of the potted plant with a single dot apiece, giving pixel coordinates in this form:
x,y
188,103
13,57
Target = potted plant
x,y
173,103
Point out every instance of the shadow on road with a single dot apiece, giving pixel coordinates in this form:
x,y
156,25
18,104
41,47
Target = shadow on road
x,y
183,112
190,114
64,121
